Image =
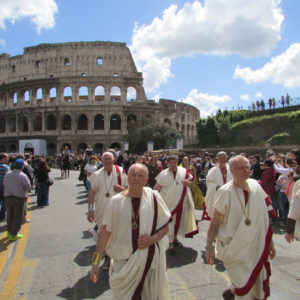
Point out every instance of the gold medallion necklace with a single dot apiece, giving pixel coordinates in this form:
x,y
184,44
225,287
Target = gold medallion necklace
x,y
108,189
247,221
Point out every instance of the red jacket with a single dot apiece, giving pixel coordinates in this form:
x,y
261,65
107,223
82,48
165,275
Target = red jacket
x,y
268,180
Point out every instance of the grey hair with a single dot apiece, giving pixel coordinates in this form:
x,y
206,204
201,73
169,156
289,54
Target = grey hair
x,y
221,153
139,165
108,153
233,160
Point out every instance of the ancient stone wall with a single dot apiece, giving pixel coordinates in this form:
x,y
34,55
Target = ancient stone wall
x,y
79,94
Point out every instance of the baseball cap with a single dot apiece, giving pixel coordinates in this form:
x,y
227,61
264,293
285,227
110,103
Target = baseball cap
x,y
19,162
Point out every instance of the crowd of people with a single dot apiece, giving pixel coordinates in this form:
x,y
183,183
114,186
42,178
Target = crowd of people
x,y
141,205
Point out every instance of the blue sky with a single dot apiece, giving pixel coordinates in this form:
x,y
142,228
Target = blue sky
x,y
212,54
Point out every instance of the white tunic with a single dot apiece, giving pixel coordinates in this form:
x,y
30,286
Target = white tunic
x,y
294,211
102,184
172,191
214,179
127,268
239,246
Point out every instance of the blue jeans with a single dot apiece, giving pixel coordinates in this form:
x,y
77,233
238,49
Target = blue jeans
x,y
42,193
2,203
276,205
284,203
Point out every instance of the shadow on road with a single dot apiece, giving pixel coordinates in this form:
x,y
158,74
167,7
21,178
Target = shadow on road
x,y
82,196
218,263
84,288
82,202
180,256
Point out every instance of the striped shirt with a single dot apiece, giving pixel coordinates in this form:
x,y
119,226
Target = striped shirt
x,y
3,170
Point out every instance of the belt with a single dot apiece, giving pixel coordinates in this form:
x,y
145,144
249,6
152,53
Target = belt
x,y
15,197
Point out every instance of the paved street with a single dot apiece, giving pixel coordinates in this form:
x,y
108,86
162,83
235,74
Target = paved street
x,y
52,261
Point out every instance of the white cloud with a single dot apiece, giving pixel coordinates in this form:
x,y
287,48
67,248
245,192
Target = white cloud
x,y
282,69
2,42
207,104
245,97
247,28
259,95
41,12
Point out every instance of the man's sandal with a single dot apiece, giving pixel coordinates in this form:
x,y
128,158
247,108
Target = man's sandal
x,y
171,246
177,243
228,295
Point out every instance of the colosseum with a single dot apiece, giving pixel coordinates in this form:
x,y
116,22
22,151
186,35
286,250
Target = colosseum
x,y
79,94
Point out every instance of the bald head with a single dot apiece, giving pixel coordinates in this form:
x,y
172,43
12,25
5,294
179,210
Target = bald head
x,y
138,167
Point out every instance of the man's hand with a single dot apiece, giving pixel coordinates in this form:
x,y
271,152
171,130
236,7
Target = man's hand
x,y
186,183
118,188
272,251
210,255
94,274
144,241
289,237
90,216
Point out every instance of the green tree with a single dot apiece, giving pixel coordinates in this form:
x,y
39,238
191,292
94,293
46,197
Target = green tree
x,y
224,130
159,133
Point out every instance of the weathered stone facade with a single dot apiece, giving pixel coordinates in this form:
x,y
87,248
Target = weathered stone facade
x,y
78,94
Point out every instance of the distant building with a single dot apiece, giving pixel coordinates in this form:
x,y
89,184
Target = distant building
x,y
78,94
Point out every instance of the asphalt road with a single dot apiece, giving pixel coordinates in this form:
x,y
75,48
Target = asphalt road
x,y
52,260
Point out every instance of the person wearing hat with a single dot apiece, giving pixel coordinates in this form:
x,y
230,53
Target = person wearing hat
x,y
16,186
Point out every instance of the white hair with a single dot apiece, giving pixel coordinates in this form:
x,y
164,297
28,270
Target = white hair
x,y
233,160
221,153
139,165
108,153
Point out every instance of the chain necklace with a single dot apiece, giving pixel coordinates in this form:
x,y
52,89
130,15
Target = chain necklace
x,y
247,221
135,217
108,189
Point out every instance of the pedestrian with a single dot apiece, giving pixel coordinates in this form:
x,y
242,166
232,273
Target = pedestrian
x,y
216,177
197,195
90,168
135,222
105,183
173,184
42,175
16,186
243,233
4,168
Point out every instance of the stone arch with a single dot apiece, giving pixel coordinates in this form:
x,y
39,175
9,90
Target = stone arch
x,y
115,94
182,118
39,94
99,93
12,124
188,131
51,148
177,126
51,122
23,124
98,148
82,122
83,93
26,96
115,145
115,122
81,147
131,121
12,148
131,94
147,119
2,148
37,122
67,94
15,97
167,121
99,122
2,125
66,123
52,93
